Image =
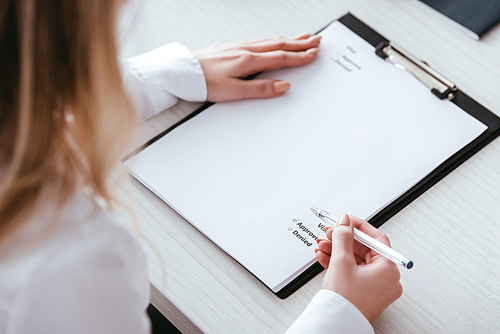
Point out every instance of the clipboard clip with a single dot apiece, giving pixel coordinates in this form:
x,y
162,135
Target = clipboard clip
x,y
439,85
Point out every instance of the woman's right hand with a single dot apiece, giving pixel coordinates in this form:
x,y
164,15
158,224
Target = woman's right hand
x,y
362,276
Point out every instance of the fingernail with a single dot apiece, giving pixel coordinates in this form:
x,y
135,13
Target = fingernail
x,y
316,250
315,38
303,35
281,86
313,51
327,228
344,220
318,240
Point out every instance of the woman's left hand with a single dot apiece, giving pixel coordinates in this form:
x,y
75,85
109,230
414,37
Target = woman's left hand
x,y
227,64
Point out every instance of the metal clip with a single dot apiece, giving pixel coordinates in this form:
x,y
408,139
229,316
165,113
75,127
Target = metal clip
x,y
439,85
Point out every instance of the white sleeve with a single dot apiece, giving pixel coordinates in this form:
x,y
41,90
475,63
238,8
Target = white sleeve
x,y
329,312
97,285
155,80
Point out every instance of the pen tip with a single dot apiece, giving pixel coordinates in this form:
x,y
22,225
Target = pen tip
x,y
316,211
409,265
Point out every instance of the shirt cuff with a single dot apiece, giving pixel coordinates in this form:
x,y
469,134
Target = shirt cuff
x,y
329,312
171,70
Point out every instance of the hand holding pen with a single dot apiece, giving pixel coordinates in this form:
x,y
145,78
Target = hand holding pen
x,y
368,241
359,274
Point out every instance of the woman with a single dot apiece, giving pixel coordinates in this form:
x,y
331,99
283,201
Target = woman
x,y
66,264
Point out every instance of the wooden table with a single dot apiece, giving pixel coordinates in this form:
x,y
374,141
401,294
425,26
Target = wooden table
x,y
452,232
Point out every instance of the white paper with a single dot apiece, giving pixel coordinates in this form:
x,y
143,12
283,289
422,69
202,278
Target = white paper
x,y
352,134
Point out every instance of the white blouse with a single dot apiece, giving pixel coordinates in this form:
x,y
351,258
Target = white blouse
x,y
78,270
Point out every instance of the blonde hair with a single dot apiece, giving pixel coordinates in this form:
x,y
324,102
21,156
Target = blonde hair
x,y
65,119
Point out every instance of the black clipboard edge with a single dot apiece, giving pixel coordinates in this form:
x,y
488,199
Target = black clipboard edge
x,y
299,281
461,99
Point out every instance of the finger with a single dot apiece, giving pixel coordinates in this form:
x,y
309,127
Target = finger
x,y
329,232
303,35
262,88
368,255
268,61
359,260
325,246
361,250
367,228
285,44
343,239
323,259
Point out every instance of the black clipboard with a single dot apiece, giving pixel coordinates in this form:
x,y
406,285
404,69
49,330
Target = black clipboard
x,y
454,95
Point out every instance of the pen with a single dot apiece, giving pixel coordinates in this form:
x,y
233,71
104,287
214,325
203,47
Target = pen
x,y
366,240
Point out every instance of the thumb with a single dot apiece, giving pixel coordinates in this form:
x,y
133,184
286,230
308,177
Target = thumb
x,y
263,88
343,240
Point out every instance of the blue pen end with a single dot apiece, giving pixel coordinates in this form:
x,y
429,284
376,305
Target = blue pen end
x,y
409,265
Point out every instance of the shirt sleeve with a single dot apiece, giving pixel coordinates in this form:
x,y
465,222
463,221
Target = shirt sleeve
x,y
329,312
97,285
157,79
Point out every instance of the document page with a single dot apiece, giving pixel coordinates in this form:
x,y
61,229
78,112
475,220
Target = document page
x,y
352,134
